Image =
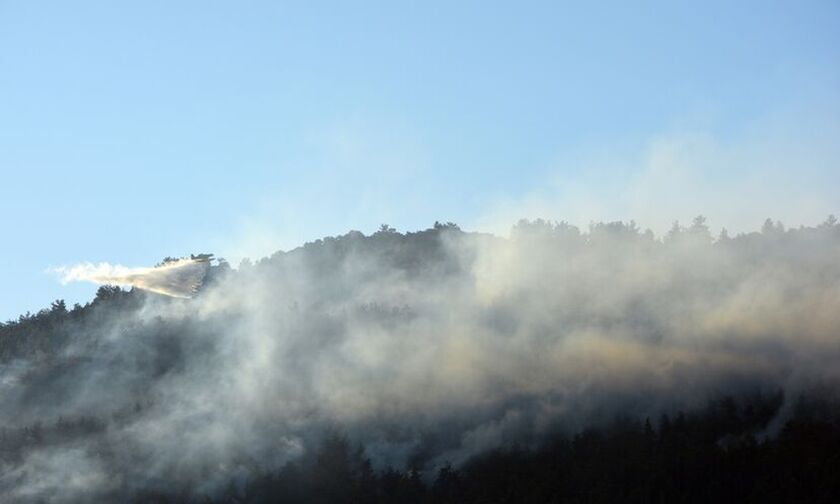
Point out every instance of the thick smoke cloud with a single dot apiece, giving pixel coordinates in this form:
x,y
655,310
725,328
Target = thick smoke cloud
x,y
177,278
424,348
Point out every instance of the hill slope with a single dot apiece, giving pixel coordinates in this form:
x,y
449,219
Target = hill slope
x,y
602,363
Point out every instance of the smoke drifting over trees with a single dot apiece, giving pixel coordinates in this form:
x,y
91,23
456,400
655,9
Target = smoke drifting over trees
x,y
316,370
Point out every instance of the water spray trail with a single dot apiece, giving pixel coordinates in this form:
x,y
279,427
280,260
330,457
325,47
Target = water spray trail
x,y
179,279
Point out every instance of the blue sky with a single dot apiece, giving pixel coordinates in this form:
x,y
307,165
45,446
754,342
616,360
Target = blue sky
x,y
135,130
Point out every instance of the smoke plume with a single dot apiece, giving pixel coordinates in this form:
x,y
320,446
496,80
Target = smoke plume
x,y
424,348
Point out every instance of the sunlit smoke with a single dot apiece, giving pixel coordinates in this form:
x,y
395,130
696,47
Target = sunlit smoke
x,y
179,279
424,348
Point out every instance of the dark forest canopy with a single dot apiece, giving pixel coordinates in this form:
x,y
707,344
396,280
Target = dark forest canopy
x,y
557,365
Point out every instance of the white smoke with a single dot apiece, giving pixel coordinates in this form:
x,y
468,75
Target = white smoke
x,y
179,279
428,347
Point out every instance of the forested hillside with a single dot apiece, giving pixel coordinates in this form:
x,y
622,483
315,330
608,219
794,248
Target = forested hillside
x,y
556,365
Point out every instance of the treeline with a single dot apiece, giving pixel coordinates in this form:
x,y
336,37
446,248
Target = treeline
x,y
46,332
273,348
421,252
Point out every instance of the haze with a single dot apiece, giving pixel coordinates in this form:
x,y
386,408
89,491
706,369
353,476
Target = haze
x,y
427,252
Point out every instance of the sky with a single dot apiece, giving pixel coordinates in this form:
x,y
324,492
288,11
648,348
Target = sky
x,y
133,131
